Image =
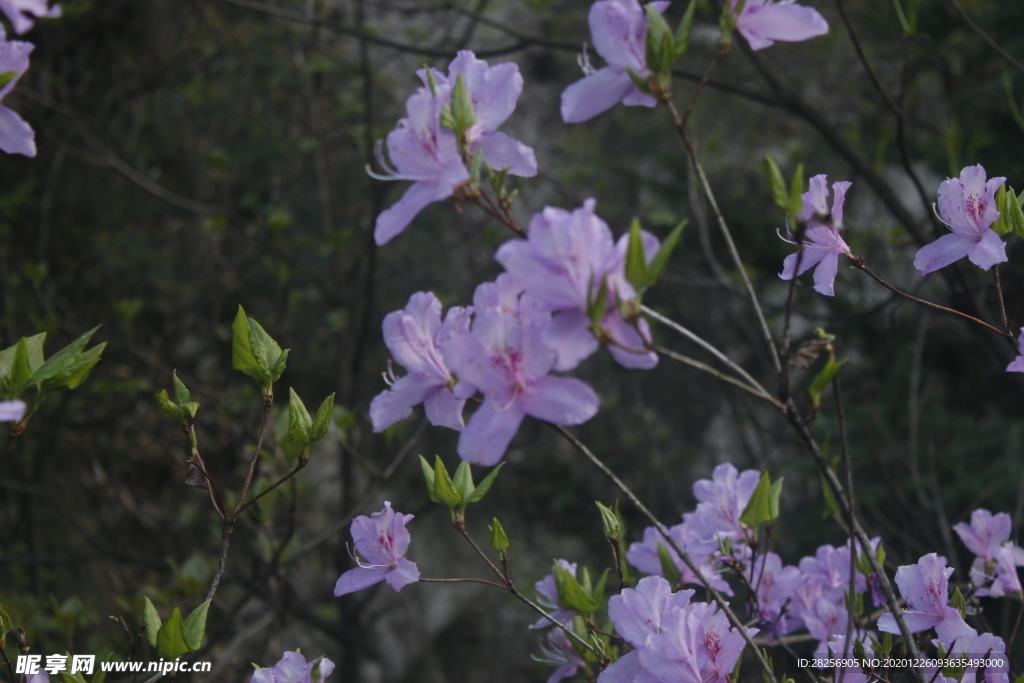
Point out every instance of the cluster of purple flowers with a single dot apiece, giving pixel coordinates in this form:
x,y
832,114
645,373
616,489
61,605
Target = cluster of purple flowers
x,y
16,136
535,319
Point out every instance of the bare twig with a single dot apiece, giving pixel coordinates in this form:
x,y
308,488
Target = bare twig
x,y
1007,57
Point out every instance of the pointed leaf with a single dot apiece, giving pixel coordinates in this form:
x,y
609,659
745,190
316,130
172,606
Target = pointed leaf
x,y
428,476
463,483
195,626
322,421
499,541
76,373
958,603
682,41
775,496
602,582
181,392
657,265
483,487
19,375
35,350
153,623
170,641
668,566
609,521
636,261
59,362
101,675
1015,215
599,306
821,382
1002,224
778,184
299,422
796,193
657,31
571,594
758,510
462,107
169,406
444,487
241,353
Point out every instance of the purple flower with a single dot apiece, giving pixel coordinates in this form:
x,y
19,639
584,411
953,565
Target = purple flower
x,y
925,587
382,540
822,245
637,615
644,556
12,411
619,31
1018,363
561,266
775,586
414,336
547,596
293,668
973,647
427,154
762,22
840,652
558,651
722,502
695,645
988,537
968,207
826,618
19,11
16,136
504,356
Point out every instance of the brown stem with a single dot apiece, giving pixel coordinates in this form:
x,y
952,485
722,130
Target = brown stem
x,y
13,433
1002,302
225,539
303,460
488,583
683,555
7,661
268,403
984,36
858,263
686,360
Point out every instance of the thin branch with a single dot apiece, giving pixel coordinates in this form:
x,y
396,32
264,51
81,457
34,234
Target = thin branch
x,y
295,470
694,363
483,581
268,403
984,36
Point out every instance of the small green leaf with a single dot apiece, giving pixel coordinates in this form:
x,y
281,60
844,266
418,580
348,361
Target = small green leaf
x,y
265,351
641,84
59,362
668,565
775,496
658,32
20,374
181,392
958,603
682,40
610,521
444,487
778,184
428,476
322,421
831,506
1011,211
571,594
796,193
463,483
8,76
462,107
758,510
636,261
598,307
73,375
499,541
858,650
100,676
35,350
299,422
447,120
886,644
241,353
821,382
658,264
195,626
66,677
880,555
170,641
483,487
153,623
169,406
1002,224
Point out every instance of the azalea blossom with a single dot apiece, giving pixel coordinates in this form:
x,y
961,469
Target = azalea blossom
x,y
775,586
762,22
562,265
723,499
547,596
22,13
983,646
12,411
382,541
505,357
293,668
644,556
822,245
619,31
988,537
967,205
414,337
925,587
839,651
557,651
637,614
16,136
695,645
428,154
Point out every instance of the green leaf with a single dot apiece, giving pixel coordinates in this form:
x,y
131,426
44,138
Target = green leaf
x,y
1011,219
241,353
658,32
796,193
831,506
463,483
658,264
499,541
610,521
322,421
462,108
682,40
76,373
170,641
35,349
775,496
641,84
100,676
602,582
153,623
314,674
571,594
821,382
858,650
958,603
636,261
8,76
598,307
19,375
428,476
59,362
1001,226
778,184
65,677
668,565
447,120
195,626
758,510
181,392
444,487
266,353
169,406
299,421
483,487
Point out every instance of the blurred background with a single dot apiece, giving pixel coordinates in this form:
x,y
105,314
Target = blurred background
x,y
195,155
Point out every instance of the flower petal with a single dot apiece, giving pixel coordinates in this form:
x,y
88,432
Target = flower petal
x,y
444,410
762,26
16,136
569,335
489,432
359,578
396,403
989,251
943,251
825,274
501,151
395,219
402,575
595,94
560,400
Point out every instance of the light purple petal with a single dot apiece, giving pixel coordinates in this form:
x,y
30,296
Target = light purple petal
x,y
493,90
825,274
396,403
809,258
626,335
595,94
395,219
468,358
404,573
18,10
839,189
989,251
816,198
952,626
13,59
618,29
12,411
501,152
763,25
940,253
560,400
359,578
569,335
16,136
445,410
624,670
489,432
